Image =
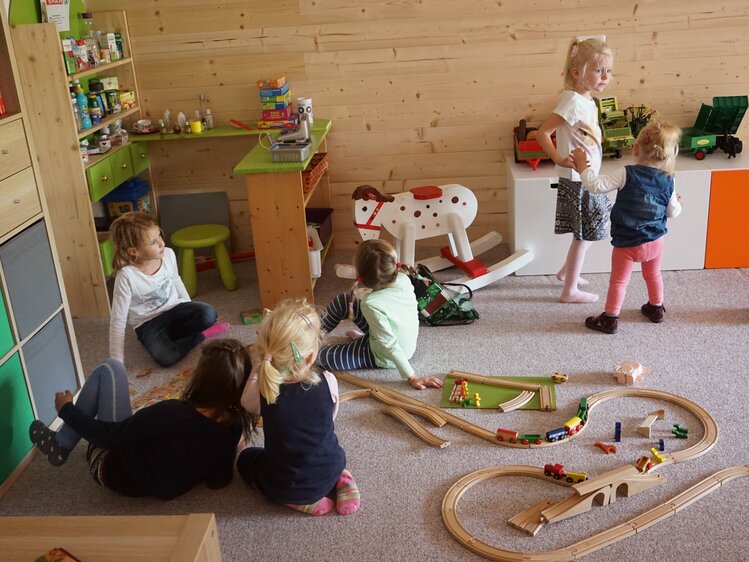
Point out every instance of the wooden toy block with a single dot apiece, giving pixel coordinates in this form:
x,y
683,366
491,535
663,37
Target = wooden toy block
x,y
644,428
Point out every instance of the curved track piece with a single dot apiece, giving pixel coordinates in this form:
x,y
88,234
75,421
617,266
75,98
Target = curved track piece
x,y
401,415
518,402
585,546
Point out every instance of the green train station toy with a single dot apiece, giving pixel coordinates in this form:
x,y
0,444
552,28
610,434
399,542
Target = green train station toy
x,y
715,126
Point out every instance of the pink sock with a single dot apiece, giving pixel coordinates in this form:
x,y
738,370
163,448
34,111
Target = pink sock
x,y
216,329
347,494
320,507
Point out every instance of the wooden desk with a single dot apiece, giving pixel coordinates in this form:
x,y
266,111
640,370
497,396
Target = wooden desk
x,y
179,538
279,228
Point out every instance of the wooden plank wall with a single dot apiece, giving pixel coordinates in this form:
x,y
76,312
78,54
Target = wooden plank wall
x,y
419,92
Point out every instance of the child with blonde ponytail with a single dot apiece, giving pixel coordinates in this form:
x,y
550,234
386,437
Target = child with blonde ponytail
x,y
302,464
645,199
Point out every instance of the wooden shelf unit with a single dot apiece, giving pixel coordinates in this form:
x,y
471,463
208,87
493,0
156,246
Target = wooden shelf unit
x,y
45,84
38,350
279,227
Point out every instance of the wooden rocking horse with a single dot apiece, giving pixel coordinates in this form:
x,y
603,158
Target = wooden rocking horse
x,y
428,211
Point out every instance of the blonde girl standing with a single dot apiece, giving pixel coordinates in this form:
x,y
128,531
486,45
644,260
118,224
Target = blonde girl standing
x,y
645,198
302,465
575,121
150,296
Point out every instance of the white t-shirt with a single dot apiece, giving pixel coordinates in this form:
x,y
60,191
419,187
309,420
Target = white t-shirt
x,y
138,298
580,130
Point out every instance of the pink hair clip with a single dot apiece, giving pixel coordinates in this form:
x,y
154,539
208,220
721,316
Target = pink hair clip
x,y
574,50
268,357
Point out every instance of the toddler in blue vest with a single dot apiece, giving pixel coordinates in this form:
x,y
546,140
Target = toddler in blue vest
x,y
645,199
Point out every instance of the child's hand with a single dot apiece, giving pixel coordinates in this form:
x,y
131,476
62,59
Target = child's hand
x,y
62,398
579,160
422,383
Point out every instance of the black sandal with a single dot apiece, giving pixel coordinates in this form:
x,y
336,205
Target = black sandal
x,y
44,439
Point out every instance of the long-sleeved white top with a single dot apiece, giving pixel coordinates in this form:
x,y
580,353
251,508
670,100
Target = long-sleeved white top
x,y
139,297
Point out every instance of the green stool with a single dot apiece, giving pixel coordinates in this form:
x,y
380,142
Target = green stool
x,y
203,236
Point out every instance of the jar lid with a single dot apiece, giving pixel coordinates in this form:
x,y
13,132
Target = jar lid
x,y
96,86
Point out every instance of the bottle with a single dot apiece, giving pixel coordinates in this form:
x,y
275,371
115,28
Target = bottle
x,y
201,102
84,151
82,103
94,109
76,113
208,119
92,45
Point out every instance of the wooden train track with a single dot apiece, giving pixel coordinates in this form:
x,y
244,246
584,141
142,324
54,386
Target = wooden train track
x,y
585,546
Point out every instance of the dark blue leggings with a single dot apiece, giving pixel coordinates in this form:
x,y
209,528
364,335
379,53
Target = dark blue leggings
x,y
174,333
355,354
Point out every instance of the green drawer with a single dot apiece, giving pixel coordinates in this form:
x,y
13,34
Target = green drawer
x,y
100,179
139,156
6,336
122,165
16,415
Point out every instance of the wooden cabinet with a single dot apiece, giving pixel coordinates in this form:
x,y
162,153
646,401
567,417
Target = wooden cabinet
x,y
71,217
38,352
277,200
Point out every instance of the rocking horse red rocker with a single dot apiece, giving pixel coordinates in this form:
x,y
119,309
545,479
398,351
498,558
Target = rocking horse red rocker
x,y
428,211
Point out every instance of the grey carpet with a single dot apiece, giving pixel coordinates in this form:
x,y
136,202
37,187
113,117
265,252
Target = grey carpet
x,y
700,352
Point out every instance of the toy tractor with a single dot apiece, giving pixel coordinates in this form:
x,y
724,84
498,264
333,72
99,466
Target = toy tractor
x,y
715,126
617,134
527,148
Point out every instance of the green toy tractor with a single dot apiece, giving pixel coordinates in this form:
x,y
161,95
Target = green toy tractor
x,y
715,126
617,134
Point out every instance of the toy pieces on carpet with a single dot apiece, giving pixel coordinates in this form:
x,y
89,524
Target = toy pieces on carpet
x,y
461,392
254,316
144,372
171,390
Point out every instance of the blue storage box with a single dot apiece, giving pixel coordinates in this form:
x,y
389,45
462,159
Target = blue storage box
x,y
131,195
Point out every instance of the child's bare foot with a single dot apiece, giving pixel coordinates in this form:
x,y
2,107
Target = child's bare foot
x,y
576,296
355,334
561,276
422,383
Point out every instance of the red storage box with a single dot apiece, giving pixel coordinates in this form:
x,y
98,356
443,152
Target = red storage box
x,y
314,170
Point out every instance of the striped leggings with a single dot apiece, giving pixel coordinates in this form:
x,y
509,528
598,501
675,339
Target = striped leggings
x,y
355,354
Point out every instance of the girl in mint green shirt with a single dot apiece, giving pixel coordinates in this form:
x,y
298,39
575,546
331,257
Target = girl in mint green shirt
x,y
384,311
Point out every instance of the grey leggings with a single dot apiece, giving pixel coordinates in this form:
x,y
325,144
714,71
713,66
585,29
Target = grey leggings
x,y
355,354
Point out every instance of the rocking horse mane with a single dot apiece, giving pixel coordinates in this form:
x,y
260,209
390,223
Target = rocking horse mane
x,y
369,193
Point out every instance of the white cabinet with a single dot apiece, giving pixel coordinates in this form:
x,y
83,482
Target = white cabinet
x,y
533,207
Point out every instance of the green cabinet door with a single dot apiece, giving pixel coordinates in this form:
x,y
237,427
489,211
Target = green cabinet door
x,y
100,179
139,156
15,416
122,165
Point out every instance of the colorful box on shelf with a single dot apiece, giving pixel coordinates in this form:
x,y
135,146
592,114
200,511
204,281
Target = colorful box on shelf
x,y
285,98
275,124
271,92
274,105
271,83
132,195
277,114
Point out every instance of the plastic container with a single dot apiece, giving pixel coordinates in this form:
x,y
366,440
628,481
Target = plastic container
x,y
281,152
315,249
132,195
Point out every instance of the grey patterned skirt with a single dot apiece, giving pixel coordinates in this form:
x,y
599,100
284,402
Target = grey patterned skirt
x,y
581,212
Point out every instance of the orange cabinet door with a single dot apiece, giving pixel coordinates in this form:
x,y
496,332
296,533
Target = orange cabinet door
x,y
727,223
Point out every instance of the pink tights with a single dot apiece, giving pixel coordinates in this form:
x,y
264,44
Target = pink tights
x,y
622,262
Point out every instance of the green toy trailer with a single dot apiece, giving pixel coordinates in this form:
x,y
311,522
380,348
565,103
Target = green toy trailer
x,y
715,126
528,149
617,134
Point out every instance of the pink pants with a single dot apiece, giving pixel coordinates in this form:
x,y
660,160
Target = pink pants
x,y
622,262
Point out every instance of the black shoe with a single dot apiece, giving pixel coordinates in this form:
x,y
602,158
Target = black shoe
x,y
653,313
44,439
603,323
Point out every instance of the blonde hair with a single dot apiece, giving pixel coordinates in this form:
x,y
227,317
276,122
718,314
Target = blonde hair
x,y
287,336
579,55
376,264
129,231
659,145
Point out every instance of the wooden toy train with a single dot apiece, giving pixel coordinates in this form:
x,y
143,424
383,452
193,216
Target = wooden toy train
x,y
571,426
